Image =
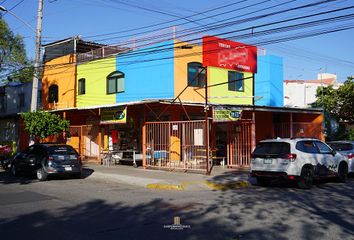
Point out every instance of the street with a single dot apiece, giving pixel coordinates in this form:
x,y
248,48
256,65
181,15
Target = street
x,y
91,208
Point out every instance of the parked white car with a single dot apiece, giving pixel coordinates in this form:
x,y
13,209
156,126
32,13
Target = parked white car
x,y
299,159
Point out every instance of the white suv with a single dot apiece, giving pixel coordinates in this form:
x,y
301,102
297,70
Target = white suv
x,y
299,159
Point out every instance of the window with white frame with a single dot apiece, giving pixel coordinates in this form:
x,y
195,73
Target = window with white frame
x,y
115,82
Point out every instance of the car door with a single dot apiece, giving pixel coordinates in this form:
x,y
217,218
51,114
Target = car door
x,y
327,156
311,154
21,159
30,157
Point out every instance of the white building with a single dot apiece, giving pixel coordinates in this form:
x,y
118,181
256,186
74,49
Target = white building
x,y
301,93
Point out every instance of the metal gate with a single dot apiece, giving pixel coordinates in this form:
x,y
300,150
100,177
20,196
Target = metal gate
x,y
85,140
240,144
176,145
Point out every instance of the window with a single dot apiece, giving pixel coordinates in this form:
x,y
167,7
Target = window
x,y
115,82
342,146
307,147
236,81
81,87
323,148
272,148
196,74
53,94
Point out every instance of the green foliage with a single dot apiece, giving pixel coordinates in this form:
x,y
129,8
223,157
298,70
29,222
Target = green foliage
x,y
338,105
43,124
13,57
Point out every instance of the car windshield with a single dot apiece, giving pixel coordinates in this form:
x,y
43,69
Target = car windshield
x,y
341,146
63,150
272,148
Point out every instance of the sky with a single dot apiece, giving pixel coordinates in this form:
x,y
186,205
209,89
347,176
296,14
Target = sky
x,y
260,22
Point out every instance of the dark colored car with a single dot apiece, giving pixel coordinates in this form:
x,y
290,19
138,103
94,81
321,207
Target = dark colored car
x,y
47,159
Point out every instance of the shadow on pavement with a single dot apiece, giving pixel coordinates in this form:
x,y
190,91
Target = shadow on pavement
x,y
26,178
163,219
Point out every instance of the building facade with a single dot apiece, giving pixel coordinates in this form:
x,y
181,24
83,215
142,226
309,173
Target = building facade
x,y
13,101
171,103
302,93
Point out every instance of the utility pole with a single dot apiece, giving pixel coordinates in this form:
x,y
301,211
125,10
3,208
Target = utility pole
x,y
207,155
37,57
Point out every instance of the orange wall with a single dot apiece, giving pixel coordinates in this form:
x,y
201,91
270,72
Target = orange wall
x,y
264,125
59,71
316,120
182,57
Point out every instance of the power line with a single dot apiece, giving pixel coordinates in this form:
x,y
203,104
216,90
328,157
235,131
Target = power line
x,y
159,24
265,42
249,19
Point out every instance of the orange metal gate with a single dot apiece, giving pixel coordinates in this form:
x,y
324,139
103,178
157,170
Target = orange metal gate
x,y
239,144
176,145
85,140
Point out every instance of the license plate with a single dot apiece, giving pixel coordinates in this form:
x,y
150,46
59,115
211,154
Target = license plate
x,y
68,168
268,161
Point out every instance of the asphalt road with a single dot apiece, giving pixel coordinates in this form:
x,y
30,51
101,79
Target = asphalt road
x,y
106,209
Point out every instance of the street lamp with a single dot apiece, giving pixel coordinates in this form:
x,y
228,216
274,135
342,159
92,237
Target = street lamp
x,y
37,52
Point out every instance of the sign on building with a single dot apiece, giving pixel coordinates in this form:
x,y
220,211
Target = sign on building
x,y
224,114
228,54
114,115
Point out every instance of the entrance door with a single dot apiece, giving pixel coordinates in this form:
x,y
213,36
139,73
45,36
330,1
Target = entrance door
x,y
239,144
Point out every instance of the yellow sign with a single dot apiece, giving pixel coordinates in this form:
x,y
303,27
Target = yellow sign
x,y
226,115
114,115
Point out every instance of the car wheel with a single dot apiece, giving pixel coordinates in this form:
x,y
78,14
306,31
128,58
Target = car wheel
x,y
262,181
306,178
13,170
41,174
342,172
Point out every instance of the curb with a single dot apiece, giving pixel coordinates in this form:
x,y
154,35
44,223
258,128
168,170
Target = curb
x,y
227,186
166,186
211,185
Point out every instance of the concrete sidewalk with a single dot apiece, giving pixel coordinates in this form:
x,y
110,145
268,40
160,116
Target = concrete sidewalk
x,y
220,178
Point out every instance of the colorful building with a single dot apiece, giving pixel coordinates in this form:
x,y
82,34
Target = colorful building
x,y
153,103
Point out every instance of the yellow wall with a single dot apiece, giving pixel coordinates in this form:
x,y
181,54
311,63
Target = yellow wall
x,y
220,75
95,73
182,58
59,71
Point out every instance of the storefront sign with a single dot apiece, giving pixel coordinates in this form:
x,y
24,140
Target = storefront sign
x,y
228,54
114,115
226,114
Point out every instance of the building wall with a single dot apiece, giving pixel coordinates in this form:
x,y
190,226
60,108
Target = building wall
x,y
220,75
146,78
13,93
59,71
269,81
95,74
299,94
181,58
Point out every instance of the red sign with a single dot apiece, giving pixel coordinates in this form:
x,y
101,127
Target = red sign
x,y
228,54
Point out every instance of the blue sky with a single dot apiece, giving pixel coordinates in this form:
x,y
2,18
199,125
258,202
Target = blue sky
x,y
110,22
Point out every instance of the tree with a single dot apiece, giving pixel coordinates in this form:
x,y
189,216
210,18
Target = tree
x,y
43,124
13,60
338,106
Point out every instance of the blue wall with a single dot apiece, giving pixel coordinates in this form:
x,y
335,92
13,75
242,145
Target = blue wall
x,y
269,81
146,79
